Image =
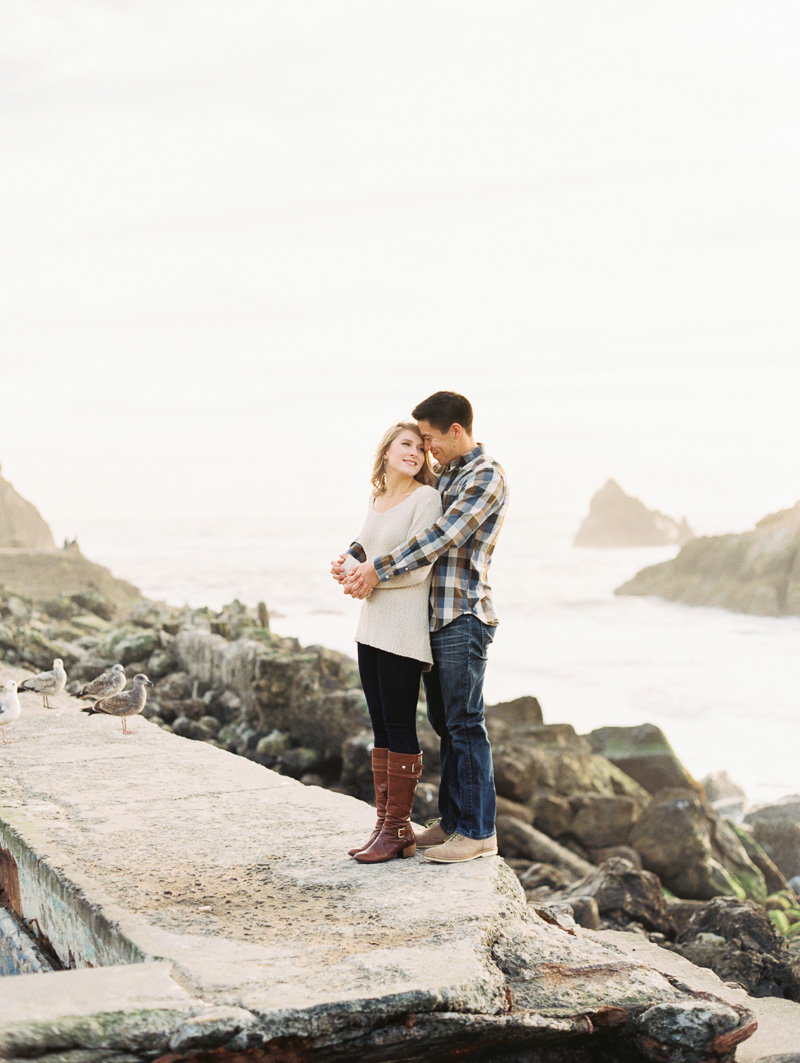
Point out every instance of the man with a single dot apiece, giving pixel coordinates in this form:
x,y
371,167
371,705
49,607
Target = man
x,y
461,542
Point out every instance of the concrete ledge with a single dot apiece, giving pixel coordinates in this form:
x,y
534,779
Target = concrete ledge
x,y
227,892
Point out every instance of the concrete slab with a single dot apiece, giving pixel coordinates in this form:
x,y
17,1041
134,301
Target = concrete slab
x,y
229,890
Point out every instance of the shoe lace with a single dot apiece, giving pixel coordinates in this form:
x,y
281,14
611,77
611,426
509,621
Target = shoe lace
x,y
431,823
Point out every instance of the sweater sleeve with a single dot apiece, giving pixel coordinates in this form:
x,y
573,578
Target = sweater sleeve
x,y
426,513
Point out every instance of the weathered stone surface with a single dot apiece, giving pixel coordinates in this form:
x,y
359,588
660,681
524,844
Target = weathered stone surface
x,y
757,572
682,1030
694,853
778,1020
617,520
644,753
238,879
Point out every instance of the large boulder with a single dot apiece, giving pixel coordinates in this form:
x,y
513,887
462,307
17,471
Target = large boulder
x,y
513,717
776,828
774,878
617,520
518,839
694,853
600,820
739,942
756,572
312,693
644,753
724,794
624,894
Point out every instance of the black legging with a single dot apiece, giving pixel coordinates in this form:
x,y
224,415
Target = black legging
x,y
391,687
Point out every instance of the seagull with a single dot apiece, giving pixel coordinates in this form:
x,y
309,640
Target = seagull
x,y
112,681
9,709
127,704
44,683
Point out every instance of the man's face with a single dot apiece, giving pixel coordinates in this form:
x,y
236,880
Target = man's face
x,y
443,445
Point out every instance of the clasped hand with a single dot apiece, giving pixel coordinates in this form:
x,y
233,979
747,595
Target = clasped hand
x,y
359,582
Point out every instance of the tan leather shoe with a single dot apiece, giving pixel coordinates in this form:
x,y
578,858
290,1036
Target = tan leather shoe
x,y
432,835
458,849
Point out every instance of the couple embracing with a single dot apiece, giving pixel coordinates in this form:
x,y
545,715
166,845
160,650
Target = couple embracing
x,y
420,565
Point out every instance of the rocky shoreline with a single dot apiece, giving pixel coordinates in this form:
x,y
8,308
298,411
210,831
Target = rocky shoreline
x,y
757,572
607,830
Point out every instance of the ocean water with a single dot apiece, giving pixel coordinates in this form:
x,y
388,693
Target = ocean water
x,y
723,686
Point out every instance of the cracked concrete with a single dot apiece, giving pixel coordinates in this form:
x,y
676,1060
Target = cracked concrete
x,y
216,903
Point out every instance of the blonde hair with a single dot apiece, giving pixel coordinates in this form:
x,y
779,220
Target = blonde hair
x,y
378,477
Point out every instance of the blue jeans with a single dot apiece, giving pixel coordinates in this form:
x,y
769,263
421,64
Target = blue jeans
x,y
454,690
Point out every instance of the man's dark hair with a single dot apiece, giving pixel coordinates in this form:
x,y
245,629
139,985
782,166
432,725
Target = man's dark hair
x,y
443,409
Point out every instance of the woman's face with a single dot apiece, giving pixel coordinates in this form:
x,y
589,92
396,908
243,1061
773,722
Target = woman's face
x,y
405,454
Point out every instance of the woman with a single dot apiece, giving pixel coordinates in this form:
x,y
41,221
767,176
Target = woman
x,y
392,635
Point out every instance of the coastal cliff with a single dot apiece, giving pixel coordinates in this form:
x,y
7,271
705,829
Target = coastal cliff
x,y
32,565
22,526
756,572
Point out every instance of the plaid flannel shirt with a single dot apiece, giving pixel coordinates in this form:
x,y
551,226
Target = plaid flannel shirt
x,y
474,500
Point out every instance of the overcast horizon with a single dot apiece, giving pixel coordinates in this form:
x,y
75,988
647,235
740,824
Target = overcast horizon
x,y
240,239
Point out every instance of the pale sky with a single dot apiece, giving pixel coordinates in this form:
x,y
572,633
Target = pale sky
x,y
240,238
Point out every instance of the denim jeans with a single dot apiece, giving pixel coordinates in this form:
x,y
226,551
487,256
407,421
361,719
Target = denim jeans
x,y
454,690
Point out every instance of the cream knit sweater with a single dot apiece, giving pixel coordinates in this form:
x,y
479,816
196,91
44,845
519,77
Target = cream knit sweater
x,y
395,616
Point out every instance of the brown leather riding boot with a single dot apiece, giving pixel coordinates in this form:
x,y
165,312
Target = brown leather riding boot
x,y
397,835
379,757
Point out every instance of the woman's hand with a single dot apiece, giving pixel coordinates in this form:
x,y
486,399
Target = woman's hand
x,y
337,569
361,581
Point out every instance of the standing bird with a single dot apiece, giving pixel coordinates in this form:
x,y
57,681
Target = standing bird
x,y
10,708
126,704
44,683
112,681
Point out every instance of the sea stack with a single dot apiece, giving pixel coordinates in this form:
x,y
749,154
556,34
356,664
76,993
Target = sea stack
x,y
616,520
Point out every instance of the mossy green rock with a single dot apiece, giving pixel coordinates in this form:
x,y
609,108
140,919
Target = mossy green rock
x,y
694,853
644,754
137,647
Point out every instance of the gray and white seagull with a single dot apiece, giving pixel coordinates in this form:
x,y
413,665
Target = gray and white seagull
x,y
112,681
10,709
45,683
126,704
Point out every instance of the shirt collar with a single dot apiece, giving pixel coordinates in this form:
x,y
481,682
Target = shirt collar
x,y
465,459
